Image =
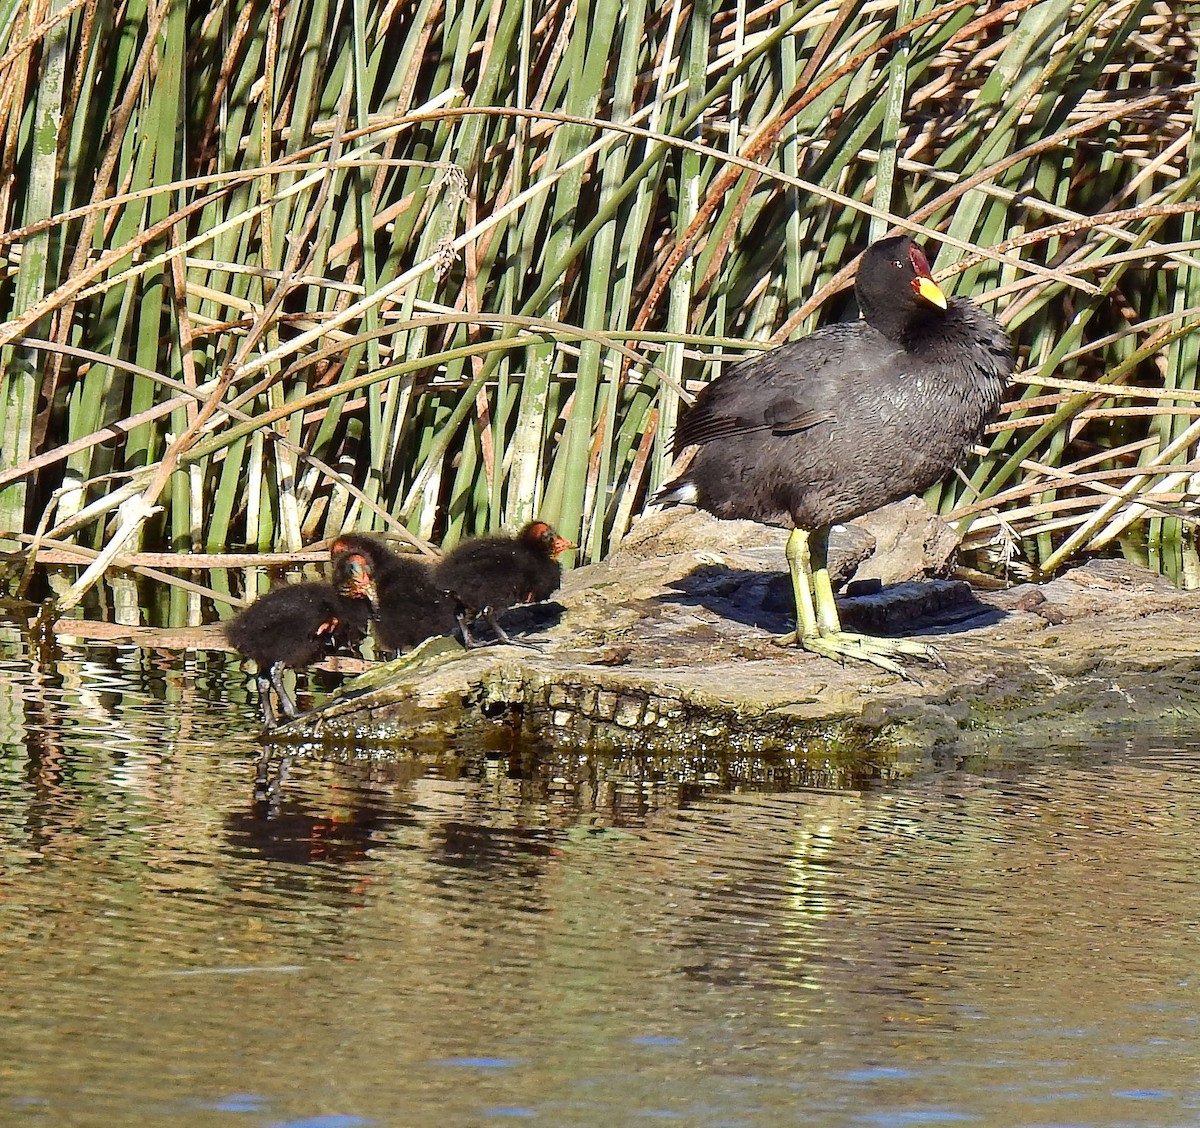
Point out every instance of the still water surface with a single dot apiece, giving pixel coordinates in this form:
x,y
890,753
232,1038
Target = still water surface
x,y
476,942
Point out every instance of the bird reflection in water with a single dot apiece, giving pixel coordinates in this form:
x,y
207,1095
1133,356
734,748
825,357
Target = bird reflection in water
x,y
282,827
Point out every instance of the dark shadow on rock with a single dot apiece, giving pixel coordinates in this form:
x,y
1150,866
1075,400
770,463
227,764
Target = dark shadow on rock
x,y
526,619
737,594
937,607
764,600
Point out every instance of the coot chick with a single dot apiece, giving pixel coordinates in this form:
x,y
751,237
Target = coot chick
x,y
409,607
293,626
854,416
488,575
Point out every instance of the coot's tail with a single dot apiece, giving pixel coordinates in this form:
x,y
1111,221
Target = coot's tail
x,y
682,491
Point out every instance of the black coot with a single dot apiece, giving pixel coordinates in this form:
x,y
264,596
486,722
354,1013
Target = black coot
x,y
856,415
295,625
409,606
488,575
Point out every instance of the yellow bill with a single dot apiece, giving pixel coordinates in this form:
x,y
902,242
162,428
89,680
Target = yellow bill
x,y
928,289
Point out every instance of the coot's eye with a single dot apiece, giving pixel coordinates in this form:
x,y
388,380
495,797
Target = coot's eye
x,y
897,264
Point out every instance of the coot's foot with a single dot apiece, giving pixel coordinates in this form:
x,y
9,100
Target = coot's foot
x,y
508,640
286,704
503,638
469,641
881,652
264,701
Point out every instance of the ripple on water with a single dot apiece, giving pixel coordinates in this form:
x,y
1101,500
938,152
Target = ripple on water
x,y
378,945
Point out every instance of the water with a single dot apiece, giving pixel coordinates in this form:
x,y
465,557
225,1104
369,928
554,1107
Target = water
x,y
478,941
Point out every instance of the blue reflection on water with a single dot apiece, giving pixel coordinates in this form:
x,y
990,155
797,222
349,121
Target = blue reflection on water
x,y
876,1073
236,1102
480,1062
334,1120
915,1116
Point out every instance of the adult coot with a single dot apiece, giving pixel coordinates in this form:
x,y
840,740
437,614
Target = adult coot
x,y
856,415
488,575
409,606
293,626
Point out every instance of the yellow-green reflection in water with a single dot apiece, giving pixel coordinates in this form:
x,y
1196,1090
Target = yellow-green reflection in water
x,y
463,946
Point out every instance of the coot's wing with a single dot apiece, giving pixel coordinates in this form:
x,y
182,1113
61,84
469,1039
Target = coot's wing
x,y
786,390
286,617
351,624
478,572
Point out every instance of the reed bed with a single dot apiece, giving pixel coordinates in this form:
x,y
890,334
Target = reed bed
x,y
271,271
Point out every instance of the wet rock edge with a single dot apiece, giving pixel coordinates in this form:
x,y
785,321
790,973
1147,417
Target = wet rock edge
x,y
662,659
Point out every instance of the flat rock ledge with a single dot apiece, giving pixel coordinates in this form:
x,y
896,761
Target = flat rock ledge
x,y
667,650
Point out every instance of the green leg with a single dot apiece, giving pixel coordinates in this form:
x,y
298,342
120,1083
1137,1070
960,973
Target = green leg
x,y
800,566
818,626
828,622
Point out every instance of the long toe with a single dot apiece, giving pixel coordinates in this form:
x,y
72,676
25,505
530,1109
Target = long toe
x,y
508,640
909,647
842,648
882,652
503,636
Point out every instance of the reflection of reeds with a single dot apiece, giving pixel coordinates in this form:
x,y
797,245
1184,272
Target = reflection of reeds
x,y
572,209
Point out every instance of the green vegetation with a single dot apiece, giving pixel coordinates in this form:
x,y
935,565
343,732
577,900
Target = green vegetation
x,y
269,271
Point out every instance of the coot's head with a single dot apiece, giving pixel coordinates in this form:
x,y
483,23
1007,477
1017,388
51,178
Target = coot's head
x,y
354,578
539,535
895,289
368,546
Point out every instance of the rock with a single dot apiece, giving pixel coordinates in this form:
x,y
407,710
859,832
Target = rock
x,y
910,607
911,543
673,657
1119,574
1031,598
849,546
902,541
685,530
